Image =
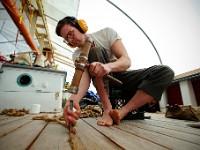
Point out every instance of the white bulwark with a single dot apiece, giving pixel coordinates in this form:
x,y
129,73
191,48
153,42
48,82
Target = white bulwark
x,y
21,86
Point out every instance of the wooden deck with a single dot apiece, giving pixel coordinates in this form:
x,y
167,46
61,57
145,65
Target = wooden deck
x,y
157,133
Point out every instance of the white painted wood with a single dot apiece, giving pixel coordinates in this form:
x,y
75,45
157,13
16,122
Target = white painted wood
x,y
46,88
50,102
163,102
44,81
187,93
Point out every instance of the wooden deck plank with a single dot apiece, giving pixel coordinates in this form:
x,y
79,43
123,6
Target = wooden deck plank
x,y
149,133
8,119
177,122
170,132
171,126
2,117
54,136
87,137
124,138
10,126
22,137
155,133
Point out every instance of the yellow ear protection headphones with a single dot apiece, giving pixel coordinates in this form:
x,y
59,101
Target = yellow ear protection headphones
x,y
79,24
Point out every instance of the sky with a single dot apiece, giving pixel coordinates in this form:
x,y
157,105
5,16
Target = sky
x,y
173,26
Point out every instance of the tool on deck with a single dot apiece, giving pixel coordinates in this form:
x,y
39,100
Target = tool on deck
x,y
71,108
81,63
71,138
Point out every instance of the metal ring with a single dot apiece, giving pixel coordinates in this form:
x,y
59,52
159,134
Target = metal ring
x,y
80,66
73,89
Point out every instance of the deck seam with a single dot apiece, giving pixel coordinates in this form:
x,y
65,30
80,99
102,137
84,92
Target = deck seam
x,y
104,135
143,138
29,146
14,129
165,134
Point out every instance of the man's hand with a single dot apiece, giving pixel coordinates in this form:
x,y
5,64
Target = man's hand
x,y
98,69
71,116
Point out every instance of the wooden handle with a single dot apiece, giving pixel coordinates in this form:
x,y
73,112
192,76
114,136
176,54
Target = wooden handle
x,y
81,65
110,78
113,80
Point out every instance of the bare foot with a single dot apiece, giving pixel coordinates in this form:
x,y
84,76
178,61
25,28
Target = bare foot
x,y
115,115
105,120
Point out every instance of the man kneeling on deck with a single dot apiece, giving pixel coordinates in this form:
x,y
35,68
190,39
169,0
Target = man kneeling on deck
x,y
108,55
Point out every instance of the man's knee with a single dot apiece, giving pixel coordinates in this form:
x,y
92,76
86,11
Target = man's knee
x,y
167,73
98,54
95,53
162,73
